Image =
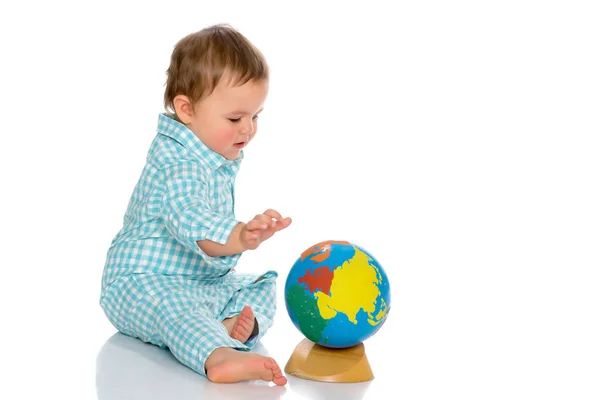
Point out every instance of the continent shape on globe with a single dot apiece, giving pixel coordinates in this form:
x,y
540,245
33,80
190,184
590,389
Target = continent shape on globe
x,y
337,294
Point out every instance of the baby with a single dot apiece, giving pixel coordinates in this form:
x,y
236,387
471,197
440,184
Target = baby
x,y
169,277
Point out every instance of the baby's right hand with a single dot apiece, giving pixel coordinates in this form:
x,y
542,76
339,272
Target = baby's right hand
x,y
262,227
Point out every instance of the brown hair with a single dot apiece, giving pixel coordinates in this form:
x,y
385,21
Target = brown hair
x,y
200,60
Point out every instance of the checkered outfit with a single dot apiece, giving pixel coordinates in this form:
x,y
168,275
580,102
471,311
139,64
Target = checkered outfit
x,y
158,285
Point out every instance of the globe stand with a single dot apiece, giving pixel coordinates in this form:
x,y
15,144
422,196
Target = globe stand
x,y
314,362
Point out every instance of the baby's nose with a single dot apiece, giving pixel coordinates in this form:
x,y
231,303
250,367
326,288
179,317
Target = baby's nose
x,y
248,129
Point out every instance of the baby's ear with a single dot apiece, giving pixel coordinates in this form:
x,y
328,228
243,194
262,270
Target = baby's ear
x,y
183,108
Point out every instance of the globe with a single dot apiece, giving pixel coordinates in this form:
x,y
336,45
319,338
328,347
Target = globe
x,y
337,294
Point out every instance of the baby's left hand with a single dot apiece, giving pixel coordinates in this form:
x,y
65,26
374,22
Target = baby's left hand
x,y
262,227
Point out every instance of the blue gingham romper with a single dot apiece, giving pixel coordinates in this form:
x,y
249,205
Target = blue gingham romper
x,y
158,285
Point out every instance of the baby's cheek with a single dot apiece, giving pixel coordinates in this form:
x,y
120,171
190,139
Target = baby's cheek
x,y
227,138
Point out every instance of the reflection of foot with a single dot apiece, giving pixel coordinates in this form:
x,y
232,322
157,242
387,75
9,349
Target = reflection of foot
x,y
226,365
241,326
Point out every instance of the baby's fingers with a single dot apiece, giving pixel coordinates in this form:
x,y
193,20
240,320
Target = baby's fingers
x,y
283,223
267,220
253,235
250,238
272,214
256,225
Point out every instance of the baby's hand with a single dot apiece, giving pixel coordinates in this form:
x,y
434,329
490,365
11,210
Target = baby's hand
x,y
262,227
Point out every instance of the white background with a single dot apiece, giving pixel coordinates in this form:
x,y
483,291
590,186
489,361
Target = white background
x,y
455,141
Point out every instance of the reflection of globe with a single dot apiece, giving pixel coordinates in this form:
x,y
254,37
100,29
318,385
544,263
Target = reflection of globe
x,y
337,294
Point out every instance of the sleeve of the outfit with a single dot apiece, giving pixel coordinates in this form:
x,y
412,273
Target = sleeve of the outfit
x,y
186,212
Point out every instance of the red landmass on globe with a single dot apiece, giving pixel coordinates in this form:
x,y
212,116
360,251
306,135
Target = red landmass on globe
x,y
320,278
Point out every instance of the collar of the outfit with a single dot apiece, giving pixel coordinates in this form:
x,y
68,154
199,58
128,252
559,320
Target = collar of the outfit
x,y
182,134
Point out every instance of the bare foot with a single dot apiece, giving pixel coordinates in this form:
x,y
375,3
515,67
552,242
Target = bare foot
x,y
241,326
226,365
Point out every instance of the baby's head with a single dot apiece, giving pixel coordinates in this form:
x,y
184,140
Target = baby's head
x,y
217,84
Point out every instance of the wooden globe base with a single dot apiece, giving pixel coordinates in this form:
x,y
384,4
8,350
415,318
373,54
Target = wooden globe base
x,y
314,362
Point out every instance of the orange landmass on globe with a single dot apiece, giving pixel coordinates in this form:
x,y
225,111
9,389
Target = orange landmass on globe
x,y
321,250
320,278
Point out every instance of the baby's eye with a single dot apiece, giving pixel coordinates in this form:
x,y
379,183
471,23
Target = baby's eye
x,y
234,120
255,117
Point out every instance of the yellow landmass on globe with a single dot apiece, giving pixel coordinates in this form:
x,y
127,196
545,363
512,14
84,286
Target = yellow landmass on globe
x,y
380,314
354,286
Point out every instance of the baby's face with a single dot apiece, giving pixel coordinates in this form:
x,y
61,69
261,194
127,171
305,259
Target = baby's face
x,y
226,120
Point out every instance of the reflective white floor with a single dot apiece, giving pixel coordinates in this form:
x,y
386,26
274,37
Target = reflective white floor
x,y
127,368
